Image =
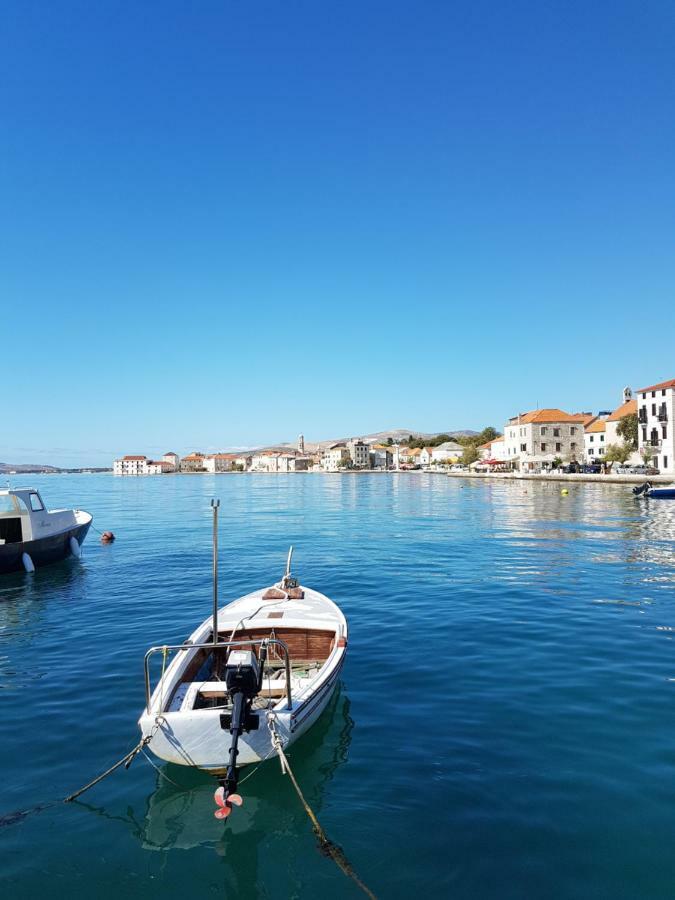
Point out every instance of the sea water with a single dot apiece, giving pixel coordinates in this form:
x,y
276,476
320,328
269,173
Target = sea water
x,y
505,725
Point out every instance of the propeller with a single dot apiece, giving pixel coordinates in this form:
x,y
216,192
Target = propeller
x,y
224,803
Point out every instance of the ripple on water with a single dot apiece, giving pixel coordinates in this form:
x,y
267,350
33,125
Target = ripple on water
x,y
504,727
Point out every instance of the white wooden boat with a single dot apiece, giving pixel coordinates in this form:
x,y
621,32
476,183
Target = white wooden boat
x,y
33,536
268,675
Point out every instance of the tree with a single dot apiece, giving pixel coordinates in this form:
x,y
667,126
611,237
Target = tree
x,y
619,453
470,455
390,441
557,462
646,454
628,430
344,463
487,434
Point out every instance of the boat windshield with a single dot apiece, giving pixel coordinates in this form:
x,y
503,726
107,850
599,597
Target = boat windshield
x,y
10,505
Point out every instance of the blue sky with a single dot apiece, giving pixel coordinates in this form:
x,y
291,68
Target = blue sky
x,y
223,224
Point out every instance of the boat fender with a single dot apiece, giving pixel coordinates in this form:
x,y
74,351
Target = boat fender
x,y
75,548
28,563
107,537
564,492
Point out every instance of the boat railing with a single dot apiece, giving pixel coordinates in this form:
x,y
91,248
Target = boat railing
x,y
211,646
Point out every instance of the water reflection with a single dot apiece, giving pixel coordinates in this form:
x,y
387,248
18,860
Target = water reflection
x,y
180,816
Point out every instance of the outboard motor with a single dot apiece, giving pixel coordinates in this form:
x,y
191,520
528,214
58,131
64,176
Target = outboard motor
x,y
243,680
642,489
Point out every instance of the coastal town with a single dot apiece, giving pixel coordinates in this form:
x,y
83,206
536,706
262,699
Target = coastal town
x,y
636,436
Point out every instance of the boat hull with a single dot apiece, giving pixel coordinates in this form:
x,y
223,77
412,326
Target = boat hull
x,y
43,551
197,739
662,493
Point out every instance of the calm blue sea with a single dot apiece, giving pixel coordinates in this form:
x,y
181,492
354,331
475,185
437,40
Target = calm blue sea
x,y
505,727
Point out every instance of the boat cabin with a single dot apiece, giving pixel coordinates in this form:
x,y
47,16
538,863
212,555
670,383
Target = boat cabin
x,y
24,517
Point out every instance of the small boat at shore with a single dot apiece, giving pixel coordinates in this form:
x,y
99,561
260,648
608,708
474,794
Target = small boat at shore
x,y
254,676
655,493
31,536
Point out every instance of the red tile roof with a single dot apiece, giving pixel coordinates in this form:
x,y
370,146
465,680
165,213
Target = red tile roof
x,y
134,457
658,387
598,425
626,409
546,416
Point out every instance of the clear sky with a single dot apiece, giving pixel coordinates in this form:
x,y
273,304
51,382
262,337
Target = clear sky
x,y
225,223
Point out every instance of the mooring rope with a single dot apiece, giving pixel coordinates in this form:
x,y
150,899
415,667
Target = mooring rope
x,y
326,846
126,761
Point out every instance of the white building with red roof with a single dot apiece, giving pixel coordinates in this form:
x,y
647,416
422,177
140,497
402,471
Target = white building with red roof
x,y
656,414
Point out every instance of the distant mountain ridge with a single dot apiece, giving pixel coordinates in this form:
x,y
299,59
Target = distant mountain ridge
x,y
40,469
20,468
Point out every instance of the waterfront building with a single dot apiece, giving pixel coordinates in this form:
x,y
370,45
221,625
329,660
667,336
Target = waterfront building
x,y
359,453
449,451
334,457
536,438
492,450
628,407
426,456
381,456
141,465
656,415
130,465
220,462
193,462
595,440
173,459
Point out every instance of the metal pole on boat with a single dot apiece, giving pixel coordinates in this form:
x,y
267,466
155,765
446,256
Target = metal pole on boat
x,y
215,504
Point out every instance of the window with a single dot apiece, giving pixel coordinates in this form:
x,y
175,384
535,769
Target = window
x,y
591,439
558,448
663,394
601,451
644,396
556,432
573,429
665,462
543,448
602,437
644,434
523,448
653,393
36,503
573,446
664,431
543,430
653,407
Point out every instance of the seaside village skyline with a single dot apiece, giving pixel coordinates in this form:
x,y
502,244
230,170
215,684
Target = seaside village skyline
x,y
638,431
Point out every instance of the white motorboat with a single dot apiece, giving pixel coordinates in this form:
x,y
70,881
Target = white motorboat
x,y
32,536
263,675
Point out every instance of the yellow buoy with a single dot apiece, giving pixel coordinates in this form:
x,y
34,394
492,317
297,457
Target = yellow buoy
x,y
564,491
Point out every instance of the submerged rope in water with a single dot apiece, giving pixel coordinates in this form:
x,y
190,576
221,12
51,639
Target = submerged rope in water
x,y
326,846
16,816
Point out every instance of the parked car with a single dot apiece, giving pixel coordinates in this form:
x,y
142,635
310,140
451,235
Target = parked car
x,y
652,471
571,469
591,469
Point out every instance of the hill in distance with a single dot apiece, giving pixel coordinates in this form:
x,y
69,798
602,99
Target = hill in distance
x,y
398,435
